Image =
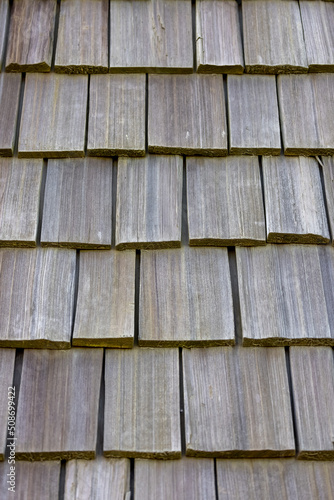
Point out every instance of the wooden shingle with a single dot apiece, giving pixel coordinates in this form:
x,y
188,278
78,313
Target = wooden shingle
x,y
185,298
116,115
225,204
20,185
30,39
328,173
9,102
53,121
7,361
57,411
142,399
77,204
237,403
4,14
186,115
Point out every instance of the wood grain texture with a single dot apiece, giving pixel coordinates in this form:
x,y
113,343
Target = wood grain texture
x,y
36,297
237,403
53,120
82,42
7,362
9,104
106,295
328,173
116,115
149,202
251,97
30,39
295,208
78,204
188,478
58,405
218,37
306,105
151,36
141,417
185,298
224,198
276,479
20,185
318,25
97,479
278,305
186,114
312,371
273,37
4,15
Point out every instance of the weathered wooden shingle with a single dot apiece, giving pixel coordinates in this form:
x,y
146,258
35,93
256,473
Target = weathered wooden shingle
x,y
20,184
225,204
218,37
82,42
185,298
253,115
328,173
312,371
295,209
77,204
30,39
7,361
4,14
106,294
306,105
116,115
149,202
141,416
36,297
186,114
53,120
151,36
237,402
58,405
9,103
273,37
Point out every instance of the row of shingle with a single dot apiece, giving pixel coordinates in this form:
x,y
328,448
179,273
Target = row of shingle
x,y
287,36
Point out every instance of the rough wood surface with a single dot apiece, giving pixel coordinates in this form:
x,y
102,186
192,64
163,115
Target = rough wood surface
x,y
141,416
151,36
30,39
97,479
185,298
9,102
237,403
312,371
4,15
149,202
189,478
306,105
58,404
186,114
7,362
286,294
225,205
53,121
78,204
20,184
295,208
218,37
318,25
116,115
273,37
328,173
106,294
82,42
36,297
253,115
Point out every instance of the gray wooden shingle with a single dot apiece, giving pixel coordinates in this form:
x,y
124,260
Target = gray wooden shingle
x,y
237,403
186,115
185,298
295,209
253,115
116,115
9,102
4,15
224,199
53,121
7,362
78,204
58,405
328,173
141,416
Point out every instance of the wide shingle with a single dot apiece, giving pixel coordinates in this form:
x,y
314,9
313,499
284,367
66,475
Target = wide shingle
x,y
8,400
9,103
